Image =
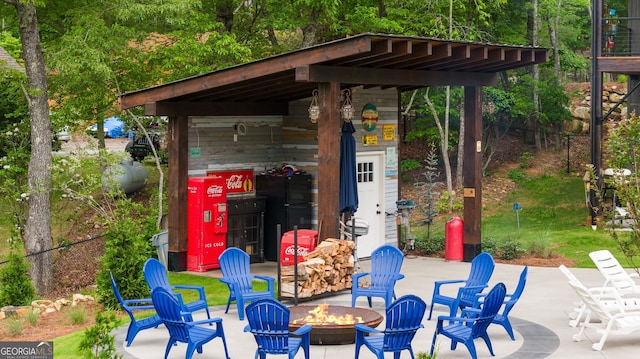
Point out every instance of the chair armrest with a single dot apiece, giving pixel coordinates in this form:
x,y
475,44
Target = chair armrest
x,y
140,307
265,278
366,329
206,321
454,319
200,289
270,282
438,283
356,276
471,312
139,303
303,330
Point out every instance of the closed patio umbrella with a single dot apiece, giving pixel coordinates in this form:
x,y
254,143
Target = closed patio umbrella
x,y
348,180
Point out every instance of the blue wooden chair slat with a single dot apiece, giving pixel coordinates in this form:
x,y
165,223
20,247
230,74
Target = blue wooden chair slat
x,y
269,323
386,262
236,274
169,309
132,305
510,300
481,270
465,329
155,274
402,321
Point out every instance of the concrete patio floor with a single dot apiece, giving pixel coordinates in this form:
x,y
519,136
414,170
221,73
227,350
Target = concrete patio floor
x,y
540,319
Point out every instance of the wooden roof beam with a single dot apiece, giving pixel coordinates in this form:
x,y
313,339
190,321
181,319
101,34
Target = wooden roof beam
x,y
372,76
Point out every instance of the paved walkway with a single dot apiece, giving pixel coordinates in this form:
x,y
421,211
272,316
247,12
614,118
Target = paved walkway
x,y
540,319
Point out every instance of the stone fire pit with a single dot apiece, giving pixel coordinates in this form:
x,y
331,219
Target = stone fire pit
x,y
325,332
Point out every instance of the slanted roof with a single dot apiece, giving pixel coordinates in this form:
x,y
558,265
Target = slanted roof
x,y
8,61
369,60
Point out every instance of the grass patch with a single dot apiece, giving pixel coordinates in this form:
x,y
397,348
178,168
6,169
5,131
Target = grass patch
x,y
217,293
553,219
77,315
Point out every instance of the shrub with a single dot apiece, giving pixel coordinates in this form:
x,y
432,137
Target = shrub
x,y
539,247
32,317
126,250
510,249
16,286
14,326
77,315
490,245
97,341
525,159
430,245
517,175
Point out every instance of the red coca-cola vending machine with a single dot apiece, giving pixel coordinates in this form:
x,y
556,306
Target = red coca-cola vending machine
x,y
207,222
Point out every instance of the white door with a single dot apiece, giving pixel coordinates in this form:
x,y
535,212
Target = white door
x,y
370,174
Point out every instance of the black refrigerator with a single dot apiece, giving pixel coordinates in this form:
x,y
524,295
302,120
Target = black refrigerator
x,y
288,203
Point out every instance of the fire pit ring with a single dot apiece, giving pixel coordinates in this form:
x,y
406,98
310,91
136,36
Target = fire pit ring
x,y
332,333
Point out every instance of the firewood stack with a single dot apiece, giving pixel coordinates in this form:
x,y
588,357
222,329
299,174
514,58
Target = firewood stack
x,y
327,268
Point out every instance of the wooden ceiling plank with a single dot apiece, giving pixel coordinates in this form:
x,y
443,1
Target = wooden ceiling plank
x,y
478,54
438,51
458,53
419,52
398,49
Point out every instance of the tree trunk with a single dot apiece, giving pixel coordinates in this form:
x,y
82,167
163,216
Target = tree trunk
x,y
536,75
444,143
38,226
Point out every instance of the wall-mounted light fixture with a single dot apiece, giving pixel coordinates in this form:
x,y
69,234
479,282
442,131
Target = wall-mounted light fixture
x,y
347,109
314,109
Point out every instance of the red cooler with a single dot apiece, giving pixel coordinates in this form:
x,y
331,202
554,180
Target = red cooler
x,y
207,226
307,240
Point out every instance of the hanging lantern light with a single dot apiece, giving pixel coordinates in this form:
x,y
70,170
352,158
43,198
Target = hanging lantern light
x,y
314,109
347,108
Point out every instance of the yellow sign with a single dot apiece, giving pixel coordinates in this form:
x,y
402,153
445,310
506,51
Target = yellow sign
x,y
388,132
370,140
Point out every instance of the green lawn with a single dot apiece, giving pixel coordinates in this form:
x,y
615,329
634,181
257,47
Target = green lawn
x,y
217,293
554,214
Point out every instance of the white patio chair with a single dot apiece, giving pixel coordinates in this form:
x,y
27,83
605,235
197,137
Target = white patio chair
x,y
615,275
579,309
616,315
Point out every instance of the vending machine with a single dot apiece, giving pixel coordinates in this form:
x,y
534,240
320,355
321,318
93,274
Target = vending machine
x,y
207,222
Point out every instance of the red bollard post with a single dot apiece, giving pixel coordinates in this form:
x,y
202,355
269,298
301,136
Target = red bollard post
x,y
453,239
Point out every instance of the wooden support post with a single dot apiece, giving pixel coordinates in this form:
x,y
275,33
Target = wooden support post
x,y
328,159
472,172
178,147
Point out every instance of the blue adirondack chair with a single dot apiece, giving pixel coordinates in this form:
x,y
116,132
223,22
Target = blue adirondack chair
x,y
403,319
169,309
155,274
269,323
132,305
386,262
465,329
502,317
234,264
481,270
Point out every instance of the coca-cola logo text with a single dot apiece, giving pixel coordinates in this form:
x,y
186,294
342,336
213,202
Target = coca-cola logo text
x,y
215,190
234,182
302,251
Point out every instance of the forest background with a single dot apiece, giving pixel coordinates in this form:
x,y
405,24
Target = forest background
x,y
82,54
